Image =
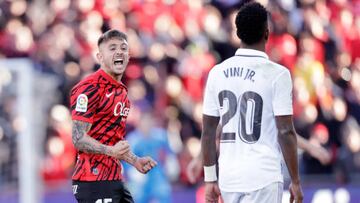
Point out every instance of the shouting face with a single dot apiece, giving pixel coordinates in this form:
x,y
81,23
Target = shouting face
x,y
114,56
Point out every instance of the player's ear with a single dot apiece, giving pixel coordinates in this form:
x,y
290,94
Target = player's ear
x,y
267,33
99,57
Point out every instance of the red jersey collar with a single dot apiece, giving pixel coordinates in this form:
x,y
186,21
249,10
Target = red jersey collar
x,y
110,79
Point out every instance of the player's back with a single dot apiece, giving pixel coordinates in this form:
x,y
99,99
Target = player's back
x,y
246,87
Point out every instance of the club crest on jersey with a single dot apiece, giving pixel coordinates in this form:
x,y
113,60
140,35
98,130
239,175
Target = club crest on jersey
x,y
81,103
121,110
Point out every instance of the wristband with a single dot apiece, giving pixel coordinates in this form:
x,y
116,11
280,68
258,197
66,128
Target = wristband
x,y
210,173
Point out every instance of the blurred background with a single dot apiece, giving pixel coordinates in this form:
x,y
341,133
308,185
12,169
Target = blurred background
x,y
47,46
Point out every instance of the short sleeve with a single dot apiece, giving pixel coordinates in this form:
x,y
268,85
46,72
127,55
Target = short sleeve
x,y
210,103
84,102
282,95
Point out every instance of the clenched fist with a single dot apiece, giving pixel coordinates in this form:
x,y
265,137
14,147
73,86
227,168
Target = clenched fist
x,y
144,164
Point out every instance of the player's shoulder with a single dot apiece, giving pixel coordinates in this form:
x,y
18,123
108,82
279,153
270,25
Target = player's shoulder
x,y
219,66
277,66
231,61
87,82
226,62
276,69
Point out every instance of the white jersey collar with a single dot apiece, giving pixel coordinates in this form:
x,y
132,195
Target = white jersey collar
x,y
251,53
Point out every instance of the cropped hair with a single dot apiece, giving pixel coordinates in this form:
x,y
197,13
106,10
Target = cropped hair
x,y
251,22
110,34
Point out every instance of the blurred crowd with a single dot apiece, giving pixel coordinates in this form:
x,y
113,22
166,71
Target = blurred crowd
x,y
173,45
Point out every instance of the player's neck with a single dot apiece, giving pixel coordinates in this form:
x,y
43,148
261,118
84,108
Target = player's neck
x,y
114,76
258,46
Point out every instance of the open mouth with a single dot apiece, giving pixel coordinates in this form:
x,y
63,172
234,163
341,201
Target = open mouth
x,y
119,62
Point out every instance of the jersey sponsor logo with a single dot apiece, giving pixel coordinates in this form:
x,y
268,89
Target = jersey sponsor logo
x,y
121,110
75,188
81,103
109,94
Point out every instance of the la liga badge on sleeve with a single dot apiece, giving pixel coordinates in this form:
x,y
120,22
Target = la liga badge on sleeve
x,y
81,103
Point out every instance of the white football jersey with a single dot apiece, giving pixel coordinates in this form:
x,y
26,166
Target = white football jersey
x,y
247,91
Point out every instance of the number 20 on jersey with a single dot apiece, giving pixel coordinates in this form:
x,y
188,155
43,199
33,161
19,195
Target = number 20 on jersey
x,y
250,105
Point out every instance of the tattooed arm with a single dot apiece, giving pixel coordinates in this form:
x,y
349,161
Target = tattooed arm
x,y
142,164
85,143
130,158
120,150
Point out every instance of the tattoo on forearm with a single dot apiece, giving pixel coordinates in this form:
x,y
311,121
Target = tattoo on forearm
x,y
89,147
130,158
79,129
85,143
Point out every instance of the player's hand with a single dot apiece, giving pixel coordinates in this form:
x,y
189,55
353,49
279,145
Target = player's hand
x,y
320,153
144,164
296,195
212,192
119,149
194,169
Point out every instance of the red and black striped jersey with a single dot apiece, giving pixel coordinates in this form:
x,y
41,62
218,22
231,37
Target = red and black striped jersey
x,y
102,101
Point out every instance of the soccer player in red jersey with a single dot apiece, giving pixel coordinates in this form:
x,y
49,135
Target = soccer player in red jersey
x,y
99,108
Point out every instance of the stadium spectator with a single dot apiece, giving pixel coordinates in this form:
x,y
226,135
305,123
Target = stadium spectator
x,y
150,139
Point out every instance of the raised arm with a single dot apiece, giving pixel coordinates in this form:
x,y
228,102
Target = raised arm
x,y
288,143
83,142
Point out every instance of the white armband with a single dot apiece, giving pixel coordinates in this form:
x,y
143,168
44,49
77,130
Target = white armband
x,y
210,173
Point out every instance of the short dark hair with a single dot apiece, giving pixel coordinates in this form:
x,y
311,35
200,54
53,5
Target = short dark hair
x,y
251,22
110,34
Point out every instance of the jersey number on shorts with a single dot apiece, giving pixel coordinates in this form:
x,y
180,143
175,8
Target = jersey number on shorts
x,y
250,107
106,200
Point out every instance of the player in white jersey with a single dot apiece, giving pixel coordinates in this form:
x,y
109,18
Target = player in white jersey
x,y
253,98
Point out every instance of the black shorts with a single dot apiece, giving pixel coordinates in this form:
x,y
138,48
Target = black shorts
x,y
101,192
